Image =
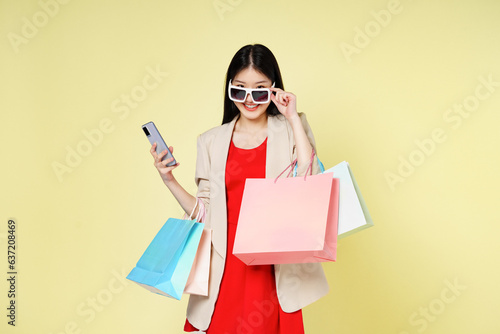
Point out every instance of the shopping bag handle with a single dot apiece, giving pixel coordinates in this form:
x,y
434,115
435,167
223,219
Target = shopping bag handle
x,y
200,216
294,165
195,205
320,164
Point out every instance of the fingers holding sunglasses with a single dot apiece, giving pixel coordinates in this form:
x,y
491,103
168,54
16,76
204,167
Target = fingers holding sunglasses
x,y
284,101
282,97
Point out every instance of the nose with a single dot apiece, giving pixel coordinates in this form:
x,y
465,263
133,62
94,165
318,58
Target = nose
x,y
248,98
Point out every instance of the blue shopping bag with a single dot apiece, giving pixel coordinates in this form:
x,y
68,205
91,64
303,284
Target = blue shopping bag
x,y
165,265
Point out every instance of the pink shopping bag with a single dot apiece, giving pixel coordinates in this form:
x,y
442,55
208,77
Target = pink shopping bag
x,y
197,282
288,220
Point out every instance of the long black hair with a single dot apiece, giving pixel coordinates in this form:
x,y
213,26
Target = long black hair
x,y
260,58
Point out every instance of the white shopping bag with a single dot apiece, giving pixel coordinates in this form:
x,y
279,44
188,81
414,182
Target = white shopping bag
x,y
353,213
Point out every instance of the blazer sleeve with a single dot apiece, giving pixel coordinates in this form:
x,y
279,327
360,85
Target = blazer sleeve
x,y
202,173
315,166
301,284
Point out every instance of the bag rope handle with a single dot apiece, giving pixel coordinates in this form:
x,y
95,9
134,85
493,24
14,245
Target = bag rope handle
x,y
195,205
200,216
309,167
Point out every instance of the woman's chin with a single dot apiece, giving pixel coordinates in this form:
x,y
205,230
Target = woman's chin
x,y
252,113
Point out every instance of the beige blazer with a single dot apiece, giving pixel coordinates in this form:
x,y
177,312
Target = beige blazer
x,y
297,285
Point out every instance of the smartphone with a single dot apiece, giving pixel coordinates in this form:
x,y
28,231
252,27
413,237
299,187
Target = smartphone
x,y
154,137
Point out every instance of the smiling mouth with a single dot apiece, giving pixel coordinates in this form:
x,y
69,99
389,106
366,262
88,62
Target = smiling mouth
x,y
250,106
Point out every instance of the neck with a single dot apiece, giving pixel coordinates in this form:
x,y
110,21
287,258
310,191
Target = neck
x,y
251,125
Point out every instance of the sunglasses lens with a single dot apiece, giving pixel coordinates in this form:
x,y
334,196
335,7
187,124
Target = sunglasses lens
x,y
260,96
238,94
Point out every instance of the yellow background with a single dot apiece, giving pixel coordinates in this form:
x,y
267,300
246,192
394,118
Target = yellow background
x,y
78,232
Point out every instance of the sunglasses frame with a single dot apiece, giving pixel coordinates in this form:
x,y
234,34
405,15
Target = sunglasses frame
x,y
249,91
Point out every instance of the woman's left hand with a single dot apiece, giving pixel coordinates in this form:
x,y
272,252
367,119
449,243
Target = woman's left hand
x,y
285,102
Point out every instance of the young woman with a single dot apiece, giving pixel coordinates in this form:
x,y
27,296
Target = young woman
x,y
260,135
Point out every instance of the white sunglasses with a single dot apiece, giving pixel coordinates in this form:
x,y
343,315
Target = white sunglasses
x,y
239,94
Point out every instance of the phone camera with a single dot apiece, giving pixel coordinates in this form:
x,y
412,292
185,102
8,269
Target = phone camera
x,y
146,131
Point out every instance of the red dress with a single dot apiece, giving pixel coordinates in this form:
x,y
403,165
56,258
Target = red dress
x,y
247,301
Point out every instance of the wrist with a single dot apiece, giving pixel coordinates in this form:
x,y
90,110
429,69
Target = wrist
x,y
169,181
293,117
294,120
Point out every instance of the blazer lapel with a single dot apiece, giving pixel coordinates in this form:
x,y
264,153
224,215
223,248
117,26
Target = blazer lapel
x,y
279,155
218,208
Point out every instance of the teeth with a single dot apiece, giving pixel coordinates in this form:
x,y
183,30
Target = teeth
x,y
250,105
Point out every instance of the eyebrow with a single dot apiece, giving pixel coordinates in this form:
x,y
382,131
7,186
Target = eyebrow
x,y
262,81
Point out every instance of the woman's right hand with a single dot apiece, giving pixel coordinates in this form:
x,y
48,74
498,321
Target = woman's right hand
x,y
161,166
